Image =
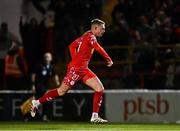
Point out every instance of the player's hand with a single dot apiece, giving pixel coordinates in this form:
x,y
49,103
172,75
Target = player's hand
x,y
109,63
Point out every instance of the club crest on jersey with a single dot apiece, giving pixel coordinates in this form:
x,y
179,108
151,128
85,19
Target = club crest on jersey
x,y
72,83
92,39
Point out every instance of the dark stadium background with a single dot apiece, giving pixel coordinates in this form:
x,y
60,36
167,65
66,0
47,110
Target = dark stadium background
x,y
142,37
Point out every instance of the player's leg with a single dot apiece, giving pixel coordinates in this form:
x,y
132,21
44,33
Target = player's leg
x,y
70,79
50,95
93,81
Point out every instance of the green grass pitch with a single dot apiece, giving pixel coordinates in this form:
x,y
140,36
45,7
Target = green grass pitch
x,y
75,126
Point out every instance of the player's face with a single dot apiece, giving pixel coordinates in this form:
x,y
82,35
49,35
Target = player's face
x,y
100,29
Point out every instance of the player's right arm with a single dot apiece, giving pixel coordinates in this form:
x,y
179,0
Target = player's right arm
x,y
73,47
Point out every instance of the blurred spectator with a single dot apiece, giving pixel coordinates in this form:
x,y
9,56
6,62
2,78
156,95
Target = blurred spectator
x,y
149,66
64,31
176,13
47,31
16,69
41,80
32,41
38,5
164,28
177,35
90,8
129,8
144,27
116,35
177,76
170,77
7,41
170,55
135,36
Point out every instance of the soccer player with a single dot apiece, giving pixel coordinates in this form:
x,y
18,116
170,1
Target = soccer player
x,y
81,51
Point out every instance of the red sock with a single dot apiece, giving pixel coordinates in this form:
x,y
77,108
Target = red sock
x,y
50,95
97,100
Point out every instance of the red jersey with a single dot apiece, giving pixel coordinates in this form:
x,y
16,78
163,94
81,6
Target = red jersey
x,y
82,49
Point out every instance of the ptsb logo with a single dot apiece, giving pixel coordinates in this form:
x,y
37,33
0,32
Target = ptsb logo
x,y
141,106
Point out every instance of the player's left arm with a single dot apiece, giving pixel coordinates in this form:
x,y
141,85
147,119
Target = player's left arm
x,y
101,51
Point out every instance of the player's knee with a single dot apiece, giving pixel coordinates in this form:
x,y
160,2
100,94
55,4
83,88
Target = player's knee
x,y
62,89
100,89
61,92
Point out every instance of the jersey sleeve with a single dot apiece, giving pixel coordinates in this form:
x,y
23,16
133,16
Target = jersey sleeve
x,y
73,46
98,48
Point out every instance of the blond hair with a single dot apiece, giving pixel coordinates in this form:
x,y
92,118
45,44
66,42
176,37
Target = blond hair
x,y
97,22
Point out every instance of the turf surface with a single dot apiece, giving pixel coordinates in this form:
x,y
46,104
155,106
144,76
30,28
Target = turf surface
x,y
52,126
